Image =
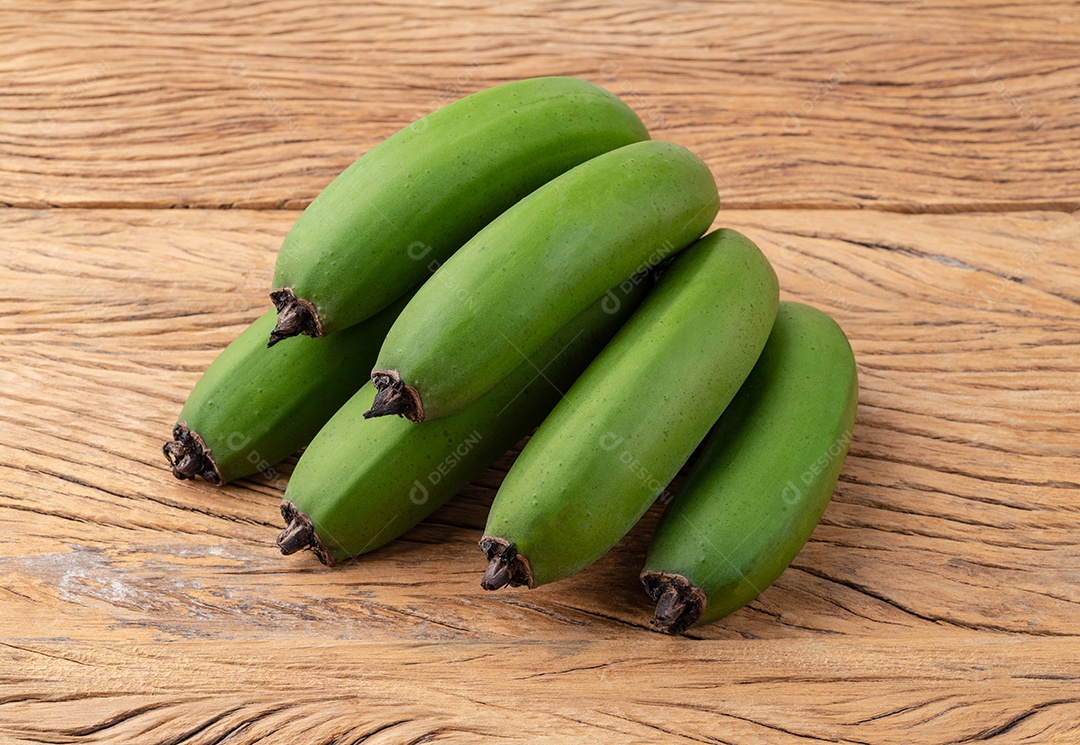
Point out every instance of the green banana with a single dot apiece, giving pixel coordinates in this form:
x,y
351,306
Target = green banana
x,y
634,416
252,407
361,483
763,479
534,268
380,227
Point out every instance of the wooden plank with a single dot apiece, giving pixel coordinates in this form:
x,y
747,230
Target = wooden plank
x,y
967,688
956,510
898,106
935,604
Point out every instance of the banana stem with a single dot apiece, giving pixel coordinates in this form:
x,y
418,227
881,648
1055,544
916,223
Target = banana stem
x,y
679,604
300,533
189,457
296,536
394,397
295,316
669,607
505,565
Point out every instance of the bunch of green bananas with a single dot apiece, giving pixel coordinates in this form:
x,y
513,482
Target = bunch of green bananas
x,y
527,258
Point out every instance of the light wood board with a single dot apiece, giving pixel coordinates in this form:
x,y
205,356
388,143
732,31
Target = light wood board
x,y
909,168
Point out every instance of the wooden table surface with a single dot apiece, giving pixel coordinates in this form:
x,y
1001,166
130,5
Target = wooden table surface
x,y
912,168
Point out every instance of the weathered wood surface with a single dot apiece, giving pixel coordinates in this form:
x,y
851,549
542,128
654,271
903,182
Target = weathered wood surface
x,y
908,105
937,602
964,690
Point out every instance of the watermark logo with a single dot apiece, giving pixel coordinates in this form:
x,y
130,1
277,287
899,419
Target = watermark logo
x,y
238,70
237,441
419,494
612,300
47,120
791,493
417,250
792,121
983,71
460,292
611,442
611,72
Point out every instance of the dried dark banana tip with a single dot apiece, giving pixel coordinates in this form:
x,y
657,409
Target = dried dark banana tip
x,y
505,565
679,604
669,607
393,396
295,316
299,533
189,457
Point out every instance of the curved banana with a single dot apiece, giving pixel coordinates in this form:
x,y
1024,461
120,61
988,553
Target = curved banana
x,y
392,216
763,479
253,406
634,416
534,268
361,483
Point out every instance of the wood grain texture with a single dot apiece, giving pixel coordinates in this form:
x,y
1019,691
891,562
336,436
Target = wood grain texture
x,y
936,603
662,690
943,105
911,168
